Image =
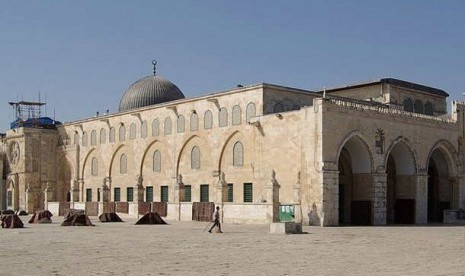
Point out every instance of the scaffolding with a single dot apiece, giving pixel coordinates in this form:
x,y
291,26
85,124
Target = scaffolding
x,y
27,113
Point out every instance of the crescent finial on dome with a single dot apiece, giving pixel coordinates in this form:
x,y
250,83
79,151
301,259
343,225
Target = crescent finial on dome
x,y
154,63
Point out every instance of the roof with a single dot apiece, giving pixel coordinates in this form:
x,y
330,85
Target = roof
x,y
396,82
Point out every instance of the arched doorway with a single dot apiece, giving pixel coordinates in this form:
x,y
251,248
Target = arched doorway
x,y
439,187
355,183
401,185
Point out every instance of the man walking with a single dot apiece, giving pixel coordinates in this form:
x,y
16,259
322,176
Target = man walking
x,y
216,220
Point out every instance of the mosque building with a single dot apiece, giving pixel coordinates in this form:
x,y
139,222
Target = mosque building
x,y
375,153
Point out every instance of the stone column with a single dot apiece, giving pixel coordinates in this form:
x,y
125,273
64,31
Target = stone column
x,y
139,190
221,190
29,199
77,195
105,196
179,190
297,201
379,199
460,197
48,195
273,195
329,210
421,199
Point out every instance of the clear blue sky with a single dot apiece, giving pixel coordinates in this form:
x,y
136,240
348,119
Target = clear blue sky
x,y
84,54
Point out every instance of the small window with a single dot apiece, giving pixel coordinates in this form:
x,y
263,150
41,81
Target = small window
x,y
122,133
93,137
88,195
156,161
180,125
168,127
187,193
204,193
149,194
428,108
236,115
84,138
117,194
76,138
223,117
112,135
250,112
194,122
164,193
103,136
418,107
94,167
248,192
230,192
132,131
130,194
123,164
155,127
143,130
238,154
208,120
195,158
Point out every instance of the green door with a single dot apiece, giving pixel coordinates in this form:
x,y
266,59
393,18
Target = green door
x,y
286,213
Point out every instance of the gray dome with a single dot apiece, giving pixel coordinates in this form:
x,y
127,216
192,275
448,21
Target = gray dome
x,y
149,91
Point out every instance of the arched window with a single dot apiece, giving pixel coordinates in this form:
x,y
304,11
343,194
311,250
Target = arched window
x,y
195,158
278,108
93,137
132,131
168,127
155,127
238,154
418,107
143,130
94,167
223,117
180,124
76,138
429,108
122,133
123,164
112,135
236,115
250,112
408,105
103,136
208,120
156,161
194,121
84,138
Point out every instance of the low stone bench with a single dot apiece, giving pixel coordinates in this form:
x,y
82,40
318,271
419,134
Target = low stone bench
x,y
286,228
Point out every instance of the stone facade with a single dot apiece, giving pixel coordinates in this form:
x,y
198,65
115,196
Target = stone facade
x,y
337,160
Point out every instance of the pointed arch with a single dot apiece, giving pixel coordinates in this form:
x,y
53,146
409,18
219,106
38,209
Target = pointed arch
x,y
360,152
84,163
146,151
406,158
449,152
223,149
112,159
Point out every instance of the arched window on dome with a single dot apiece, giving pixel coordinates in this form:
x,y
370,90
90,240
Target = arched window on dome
x,y
155,127
195,158
157,161
143,129
112,135
76,138
194,121
223,117
208,120
180,124
250,111
84,138
103,136
236,115
94,166
238,154
132,131
429,108
123,164
93,137
168,128
122,133
408,105
418,107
